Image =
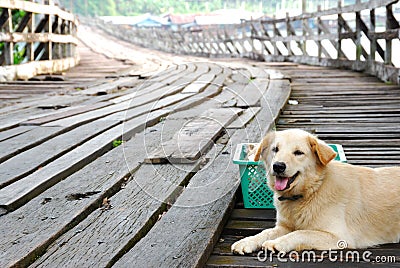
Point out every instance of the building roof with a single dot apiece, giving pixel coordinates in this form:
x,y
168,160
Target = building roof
x,y
145,20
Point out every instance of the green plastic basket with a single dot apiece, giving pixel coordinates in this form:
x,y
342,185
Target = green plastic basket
x,y
255,190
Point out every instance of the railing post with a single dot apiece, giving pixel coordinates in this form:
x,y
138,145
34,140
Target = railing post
x,y
9,46
303,26
388,50
274,35
373,38
32,44
319,34
339,31
288,45
358,34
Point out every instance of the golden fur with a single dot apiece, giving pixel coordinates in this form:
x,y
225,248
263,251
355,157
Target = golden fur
x,y
339,201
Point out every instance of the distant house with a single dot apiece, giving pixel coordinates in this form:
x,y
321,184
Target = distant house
x,y
219,17
181,19
188,21
178,21
145,20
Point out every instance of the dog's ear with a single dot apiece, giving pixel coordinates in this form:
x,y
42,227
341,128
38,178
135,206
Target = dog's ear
x,y
265,143
324,153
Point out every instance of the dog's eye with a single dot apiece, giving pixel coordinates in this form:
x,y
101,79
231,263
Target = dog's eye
x,y
275,149
298,152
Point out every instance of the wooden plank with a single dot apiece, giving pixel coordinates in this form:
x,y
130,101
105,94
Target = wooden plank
x,y
195,138
177,99
247,228
200,84
11,119
254,214
208,95
27,70
204,201
32,105
23,164
25,141
16,37
132,213
88,116
10,133
223,249
252,93
144,88
159,98
176,248
243,119
260,73
38,8
278,93
76,110
20,192
168,101
106,88
103,178
388,116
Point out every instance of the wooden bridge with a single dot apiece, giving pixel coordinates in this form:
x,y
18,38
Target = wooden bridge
x,y
126,159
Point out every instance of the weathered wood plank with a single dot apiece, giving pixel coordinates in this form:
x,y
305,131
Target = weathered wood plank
x,y
254,214
27,70
88,116
159,98
388,116
207,197
106,88
209,93
29,139
77,110
20,192
243,119
195,203
141,89
247,228
10,133
252,93
16,37
105,235
169,101
23,164
28,231
195,138
200,84
38,8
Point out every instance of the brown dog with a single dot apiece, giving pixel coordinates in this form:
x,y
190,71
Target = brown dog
x,y
320,202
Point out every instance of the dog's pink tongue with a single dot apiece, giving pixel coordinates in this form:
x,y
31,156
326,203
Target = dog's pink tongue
x,y
280,184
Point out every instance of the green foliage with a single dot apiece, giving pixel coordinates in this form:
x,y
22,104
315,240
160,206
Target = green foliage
x,y
117,143
19,53
157,7
17,16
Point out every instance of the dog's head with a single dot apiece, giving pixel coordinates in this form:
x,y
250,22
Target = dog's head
x,y
294,158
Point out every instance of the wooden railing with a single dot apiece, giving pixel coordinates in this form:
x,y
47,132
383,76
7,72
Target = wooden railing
x,y
358,37
42,40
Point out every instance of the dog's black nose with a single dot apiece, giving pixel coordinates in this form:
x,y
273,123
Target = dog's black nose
x,y
279,167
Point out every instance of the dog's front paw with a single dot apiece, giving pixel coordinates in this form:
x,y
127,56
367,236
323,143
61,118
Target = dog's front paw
x,y
277,245
246,245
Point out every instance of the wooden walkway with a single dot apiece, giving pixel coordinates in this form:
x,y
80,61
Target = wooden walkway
x,y
94,68
128,169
